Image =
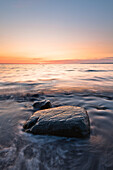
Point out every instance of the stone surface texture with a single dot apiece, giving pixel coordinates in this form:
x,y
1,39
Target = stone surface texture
x,y
68,121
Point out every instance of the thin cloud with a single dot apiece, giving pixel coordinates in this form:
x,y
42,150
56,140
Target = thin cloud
x,y
38,59
74,61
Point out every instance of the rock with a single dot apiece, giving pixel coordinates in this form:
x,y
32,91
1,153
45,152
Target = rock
x,y
46,104
30,123
68,121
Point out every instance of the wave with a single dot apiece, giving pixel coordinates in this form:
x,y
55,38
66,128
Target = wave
x,y
70,70
98,70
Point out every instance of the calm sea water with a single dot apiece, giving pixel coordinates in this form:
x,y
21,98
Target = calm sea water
x,y
86,85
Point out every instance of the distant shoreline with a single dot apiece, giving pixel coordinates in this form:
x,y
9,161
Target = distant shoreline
x,y
56,63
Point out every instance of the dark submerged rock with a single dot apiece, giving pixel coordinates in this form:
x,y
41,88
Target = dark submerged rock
x,y
68,121
30,123
46,104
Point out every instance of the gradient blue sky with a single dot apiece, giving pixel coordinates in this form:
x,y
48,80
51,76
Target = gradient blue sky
x,y
44,31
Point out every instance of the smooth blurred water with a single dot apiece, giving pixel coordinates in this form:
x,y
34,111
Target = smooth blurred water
x,y
85,85
72,75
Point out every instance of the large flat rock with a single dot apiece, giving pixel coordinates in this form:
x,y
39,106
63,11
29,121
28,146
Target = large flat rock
x,y
69,121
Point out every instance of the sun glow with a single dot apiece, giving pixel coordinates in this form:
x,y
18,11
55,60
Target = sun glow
x,y
47,53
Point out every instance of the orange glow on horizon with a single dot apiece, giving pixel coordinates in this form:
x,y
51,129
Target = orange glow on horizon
x,y
53,53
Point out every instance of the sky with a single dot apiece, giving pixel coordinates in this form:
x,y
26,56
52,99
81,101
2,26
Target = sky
x,y
56,31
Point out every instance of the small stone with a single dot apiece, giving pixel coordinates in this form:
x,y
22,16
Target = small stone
x,y
46,104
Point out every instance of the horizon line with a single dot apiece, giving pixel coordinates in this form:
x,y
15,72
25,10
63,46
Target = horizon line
x,y
56,63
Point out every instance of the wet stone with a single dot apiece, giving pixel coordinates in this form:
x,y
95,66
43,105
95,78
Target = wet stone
x,y
68,121
30,123
45,104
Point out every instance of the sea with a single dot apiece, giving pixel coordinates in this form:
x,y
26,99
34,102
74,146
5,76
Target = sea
x,y
85,85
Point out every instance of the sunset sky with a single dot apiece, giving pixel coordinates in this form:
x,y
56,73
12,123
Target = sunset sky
x,y
56,31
